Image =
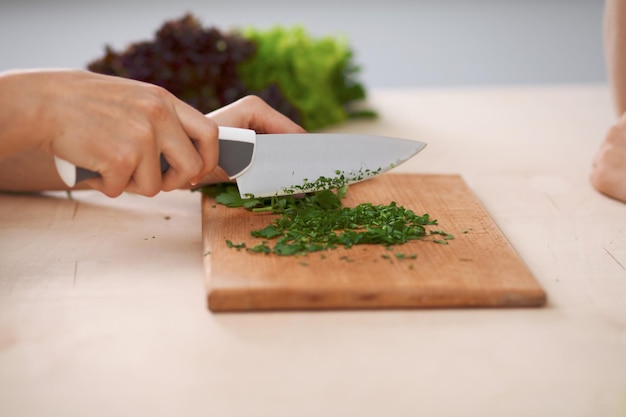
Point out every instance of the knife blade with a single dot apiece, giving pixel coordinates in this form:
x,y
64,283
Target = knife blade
x,y
265,165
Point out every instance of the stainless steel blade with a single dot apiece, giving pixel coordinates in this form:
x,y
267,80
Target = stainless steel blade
x,y
293,163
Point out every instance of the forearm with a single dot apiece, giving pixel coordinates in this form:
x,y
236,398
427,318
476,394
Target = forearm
x,y
25,164
30,170
21,125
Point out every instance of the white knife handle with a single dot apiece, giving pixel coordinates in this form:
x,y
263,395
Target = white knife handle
x,y
66,170
237,148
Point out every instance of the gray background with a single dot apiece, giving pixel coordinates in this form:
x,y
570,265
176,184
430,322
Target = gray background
x,y
397,43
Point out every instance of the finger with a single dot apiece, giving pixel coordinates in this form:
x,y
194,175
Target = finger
x,y
130,162
173,135
218,175
264,119
116,166
253,113
111,183
147,177
164,133
184,160
204,133
135,158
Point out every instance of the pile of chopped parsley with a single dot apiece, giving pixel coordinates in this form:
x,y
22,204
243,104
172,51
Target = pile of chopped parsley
x,y
318,221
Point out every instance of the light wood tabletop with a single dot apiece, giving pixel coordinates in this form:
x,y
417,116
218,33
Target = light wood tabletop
x,y
103,301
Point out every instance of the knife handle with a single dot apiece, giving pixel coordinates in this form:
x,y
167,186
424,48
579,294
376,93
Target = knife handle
x,y
236,147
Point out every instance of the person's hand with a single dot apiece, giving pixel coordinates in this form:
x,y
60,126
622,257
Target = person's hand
x,y
250,113
609,165
117,127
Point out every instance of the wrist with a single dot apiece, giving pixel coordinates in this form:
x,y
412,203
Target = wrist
x,y
21,123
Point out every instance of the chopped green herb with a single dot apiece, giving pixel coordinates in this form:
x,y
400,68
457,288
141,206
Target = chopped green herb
x,y
318,222
260,248
269,232
405,256
339,182
446,236
235,245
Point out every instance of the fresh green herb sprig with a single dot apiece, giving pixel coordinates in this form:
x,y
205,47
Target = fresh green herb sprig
x,y
228,194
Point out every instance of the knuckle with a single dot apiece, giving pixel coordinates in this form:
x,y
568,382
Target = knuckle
x,y
192,168
151,191
144,188
144,136
207,150
198,168
253,101
171,186
155,105
140,137
112,192
124,160
205,164
209,132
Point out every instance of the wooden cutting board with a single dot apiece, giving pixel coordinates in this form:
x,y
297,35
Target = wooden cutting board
x,y
478,268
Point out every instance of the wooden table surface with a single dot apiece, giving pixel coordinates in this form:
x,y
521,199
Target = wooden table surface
x,y
103,308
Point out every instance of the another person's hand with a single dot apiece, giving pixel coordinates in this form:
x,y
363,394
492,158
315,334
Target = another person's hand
x,y
608,174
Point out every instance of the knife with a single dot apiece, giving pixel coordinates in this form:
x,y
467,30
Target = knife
x,y
266,165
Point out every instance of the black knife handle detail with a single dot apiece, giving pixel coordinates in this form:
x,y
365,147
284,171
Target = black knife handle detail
x,y
84,174
235,156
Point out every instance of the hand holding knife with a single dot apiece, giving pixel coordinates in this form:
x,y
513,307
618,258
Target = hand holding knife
x,y
278,164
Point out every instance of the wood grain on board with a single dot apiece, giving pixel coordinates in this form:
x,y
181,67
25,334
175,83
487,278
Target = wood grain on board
x,y
479,268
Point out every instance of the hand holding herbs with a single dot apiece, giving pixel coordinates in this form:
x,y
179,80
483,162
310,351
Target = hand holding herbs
x,y
318,222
